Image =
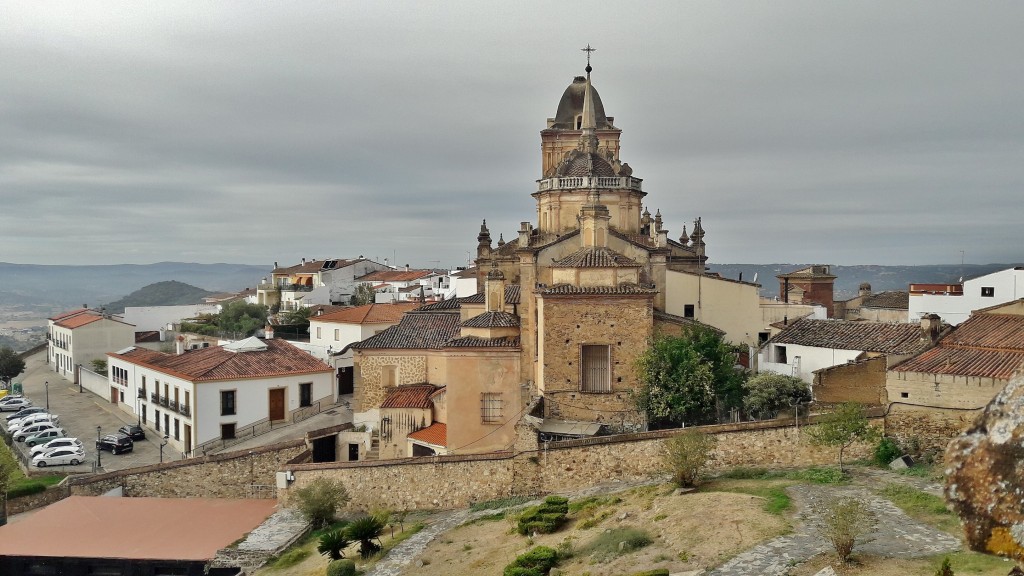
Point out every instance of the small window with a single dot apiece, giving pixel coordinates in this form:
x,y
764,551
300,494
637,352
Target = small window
x,y
988,291
156,415
177,434
596,369
337,334
227,431
762,337
306,394
780,355
490,407
227,403
318,331
904,394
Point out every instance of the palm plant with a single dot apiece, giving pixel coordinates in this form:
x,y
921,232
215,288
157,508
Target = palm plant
x,y
332,544
366,530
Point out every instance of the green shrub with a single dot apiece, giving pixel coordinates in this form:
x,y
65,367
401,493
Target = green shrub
x,y
686,455
886,451
814,475
319,500
26,489
655,572
500,503
605,546
537,561
945,569
367,531
332,544
544,519
291,558
341,568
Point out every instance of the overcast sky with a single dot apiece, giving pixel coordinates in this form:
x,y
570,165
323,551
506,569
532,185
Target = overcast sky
x,y
253,132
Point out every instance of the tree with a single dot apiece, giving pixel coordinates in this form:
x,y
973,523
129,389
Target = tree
x,y
842,427
686,379
843,521
298,317
10,364
242,318
332,544
364,294
319,500
686,456
366,530
99,366
768,393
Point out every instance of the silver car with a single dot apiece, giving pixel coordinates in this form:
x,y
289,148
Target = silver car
x,y
58,443
45,436
59,457
23,434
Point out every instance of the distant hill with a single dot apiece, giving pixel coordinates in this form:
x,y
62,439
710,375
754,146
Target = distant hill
x,y
59,287
167,293
881,278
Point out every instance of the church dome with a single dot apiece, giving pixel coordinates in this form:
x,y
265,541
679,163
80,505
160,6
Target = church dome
x,y
579,163
570,107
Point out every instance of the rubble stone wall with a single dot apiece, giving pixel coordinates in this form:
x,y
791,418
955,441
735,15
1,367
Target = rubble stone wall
x,y
926,431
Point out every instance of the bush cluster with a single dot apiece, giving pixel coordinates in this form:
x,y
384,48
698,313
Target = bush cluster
x,y
341,568
25,489
544,519
886,451
536,562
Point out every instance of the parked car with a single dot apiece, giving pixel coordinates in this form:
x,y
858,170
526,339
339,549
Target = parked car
x,y
45,436
115,443
59,457
25,412
8,404
133,431
23,434
57,443
33,419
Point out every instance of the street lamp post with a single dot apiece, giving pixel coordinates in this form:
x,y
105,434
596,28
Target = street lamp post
x,y
46,385
79,373
162,444
99,460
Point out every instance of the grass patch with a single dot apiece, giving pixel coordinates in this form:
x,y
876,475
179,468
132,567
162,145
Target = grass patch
x,y
966,563
813,475
499,503
776,500
605,546
400,537
291,558
922,506
592,502
486,518
928,472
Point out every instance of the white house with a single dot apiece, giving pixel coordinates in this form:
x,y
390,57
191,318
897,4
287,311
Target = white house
x,y
314,282
954,303
219,392
408,285
331,334
154,318
81,336
808,345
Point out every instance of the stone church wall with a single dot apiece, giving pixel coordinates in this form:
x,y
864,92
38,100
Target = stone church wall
x,y
369,390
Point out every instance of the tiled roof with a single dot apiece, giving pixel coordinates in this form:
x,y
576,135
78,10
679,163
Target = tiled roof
x,y
844,335
313,266
477,342
893,300
215,363
996,331
394,275
493,320
417,329
593,257
449,304
511,296
467,273
70,313
620,290
79,320
368,314
147,336
674,319
409,396
435,434
965,362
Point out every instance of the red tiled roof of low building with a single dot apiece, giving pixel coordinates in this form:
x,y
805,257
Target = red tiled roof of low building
x,y
435,434
368,314
409,396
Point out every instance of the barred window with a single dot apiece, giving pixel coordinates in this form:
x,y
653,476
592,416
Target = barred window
x,y
596,367
490,407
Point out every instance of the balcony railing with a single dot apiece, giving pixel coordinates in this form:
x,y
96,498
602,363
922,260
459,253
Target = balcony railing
x,y
605,182
184,410
142,394
154,398
173,405
164,401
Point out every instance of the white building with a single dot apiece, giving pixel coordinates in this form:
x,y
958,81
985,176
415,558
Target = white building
x,y
408,285
314,282
220,392
954,303
331,334
808,345
81,336
154,318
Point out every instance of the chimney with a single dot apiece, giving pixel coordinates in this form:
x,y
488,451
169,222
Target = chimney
x,y
303,260
179,345
268,332
931,325
864,289
275,265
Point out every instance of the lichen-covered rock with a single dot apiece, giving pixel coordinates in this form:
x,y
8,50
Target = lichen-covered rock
x,y
985,475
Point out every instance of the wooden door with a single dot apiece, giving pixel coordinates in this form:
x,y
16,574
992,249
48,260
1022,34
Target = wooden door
x,y
114,395
188,438
277,404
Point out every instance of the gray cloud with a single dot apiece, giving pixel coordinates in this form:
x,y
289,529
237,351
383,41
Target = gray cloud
x,y
799,131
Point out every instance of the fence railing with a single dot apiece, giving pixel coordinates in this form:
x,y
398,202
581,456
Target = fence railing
x,y
244,433
263,491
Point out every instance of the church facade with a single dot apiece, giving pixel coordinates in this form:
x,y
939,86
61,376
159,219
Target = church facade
x,y
567,305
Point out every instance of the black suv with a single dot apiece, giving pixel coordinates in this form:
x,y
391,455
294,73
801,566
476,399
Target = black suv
x,y
116,443
133,430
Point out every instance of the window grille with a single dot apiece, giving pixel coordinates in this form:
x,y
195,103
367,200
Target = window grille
x,y
596,364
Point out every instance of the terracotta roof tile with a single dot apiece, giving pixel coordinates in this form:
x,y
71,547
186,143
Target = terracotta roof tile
x,y
409,396
314,266
591,257
984,345
892,300
418,330
368,314
79,320
620,290
69,314
493,320
477,342
394,275
449,304
512,292
215,363
845,335
435,434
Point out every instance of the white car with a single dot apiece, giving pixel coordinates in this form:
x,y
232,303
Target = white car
x,y
59,457
58,443
31,419
22,434
9,404
44,436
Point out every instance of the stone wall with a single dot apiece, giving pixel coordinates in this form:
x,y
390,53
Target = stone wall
x,y
458,481
227,475
942,390
33,501
369,389
862,381
926,431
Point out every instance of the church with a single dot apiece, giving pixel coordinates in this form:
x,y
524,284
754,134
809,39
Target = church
x,y
566,307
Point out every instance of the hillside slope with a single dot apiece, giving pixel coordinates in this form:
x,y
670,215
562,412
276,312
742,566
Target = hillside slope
x,y
167,293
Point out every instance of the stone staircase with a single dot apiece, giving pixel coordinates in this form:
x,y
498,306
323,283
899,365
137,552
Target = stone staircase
x,y
374,452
